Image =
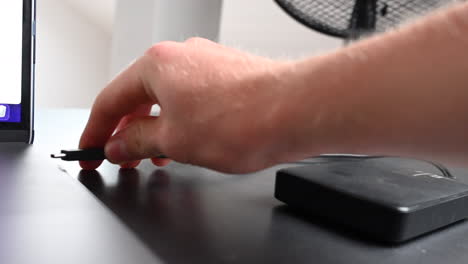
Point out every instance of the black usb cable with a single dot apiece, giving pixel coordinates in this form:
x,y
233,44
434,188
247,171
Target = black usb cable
x,y
85,155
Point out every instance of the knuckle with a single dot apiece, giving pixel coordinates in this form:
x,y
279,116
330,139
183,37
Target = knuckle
x,y
161,50
197,41
194,40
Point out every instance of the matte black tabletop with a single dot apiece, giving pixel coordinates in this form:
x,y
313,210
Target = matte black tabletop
x,y
186,214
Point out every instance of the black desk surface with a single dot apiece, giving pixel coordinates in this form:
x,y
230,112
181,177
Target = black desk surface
x,y
186,214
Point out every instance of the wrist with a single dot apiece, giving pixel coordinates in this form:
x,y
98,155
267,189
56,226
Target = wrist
x,y
314,111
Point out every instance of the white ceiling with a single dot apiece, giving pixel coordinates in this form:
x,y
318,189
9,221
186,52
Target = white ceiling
x,y
100,12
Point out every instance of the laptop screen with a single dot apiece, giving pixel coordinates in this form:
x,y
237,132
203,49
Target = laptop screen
x,y
11,29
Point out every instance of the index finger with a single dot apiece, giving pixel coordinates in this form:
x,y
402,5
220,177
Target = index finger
x,y
121,97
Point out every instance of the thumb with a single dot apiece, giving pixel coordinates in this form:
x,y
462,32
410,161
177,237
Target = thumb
x,y
138,140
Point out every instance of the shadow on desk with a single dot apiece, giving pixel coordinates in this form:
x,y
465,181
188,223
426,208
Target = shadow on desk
x,y
338,244
160,213
184,219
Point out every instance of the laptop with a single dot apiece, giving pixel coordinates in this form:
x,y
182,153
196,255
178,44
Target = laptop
x,y
46,216
17,54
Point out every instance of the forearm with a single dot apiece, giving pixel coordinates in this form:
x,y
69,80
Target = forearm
x,y
402,93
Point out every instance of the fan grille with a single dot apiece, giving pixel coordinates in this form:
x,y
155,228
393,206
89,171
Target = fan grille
x,y
333,16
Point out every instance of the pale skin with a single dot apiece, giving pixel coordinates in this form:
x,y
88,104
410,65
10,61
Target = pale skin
x,y
402,93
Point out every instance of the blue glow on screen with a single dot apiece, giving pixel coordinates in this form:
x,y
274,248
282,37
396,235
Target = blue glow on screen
x,y
10,113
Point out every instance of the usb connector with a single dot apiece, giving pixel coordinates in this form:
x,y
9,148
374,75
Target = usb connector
x,y
81,155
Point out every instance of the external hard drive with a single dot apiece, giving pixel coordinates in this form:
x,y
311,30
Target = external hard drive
x,y
389,199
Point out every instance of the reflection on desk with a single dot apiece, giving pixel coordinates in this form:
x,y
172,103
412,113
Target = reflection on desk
x,y
186,214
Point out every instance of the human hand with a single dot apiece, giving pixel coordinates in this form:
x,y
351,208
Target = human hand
x,y
219,109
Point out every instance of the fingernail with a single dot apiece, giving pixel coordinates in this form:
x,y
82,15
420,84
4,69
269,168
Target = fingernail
x,y
116,151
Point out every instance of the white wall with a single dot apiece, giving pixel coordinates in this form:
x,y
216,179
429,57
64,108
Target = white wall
x,y
131,32
260,26
139,24
74,51
100,12
257,26
72,57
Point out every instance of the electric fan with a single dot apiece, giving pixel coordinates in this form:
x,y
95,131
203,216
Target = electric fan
x,y
354,19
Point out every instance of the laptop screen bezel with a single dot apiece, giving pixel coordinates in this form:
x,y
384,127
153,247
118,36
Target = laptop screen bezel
x,y
27,75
